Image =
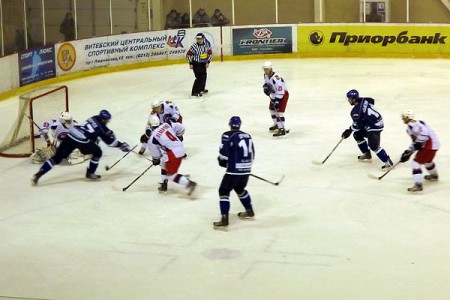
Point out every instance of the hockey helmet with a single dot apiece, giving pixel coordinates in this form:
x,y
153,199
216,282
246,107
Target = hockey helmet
x,y
200,36
408,115
104,115
267,65
235,122
65,117
157,103
352,94
154,121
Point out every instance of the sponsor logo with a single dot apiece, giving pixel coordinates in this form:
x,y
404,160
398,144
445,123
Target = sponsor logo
x,y
316,37
263,36
176,41
66,56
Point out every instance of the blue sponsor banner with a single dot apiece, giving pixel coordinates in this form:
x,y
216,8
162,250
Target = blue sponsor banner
x,y
37,64
262,40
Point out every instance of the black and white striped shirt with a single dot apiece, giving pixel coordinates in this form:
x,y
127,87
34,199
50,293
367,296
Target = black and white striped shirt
x,y
200,53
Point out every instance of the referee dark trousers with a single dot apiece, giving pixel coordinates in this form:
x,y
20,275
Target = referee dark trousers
x,y
200,77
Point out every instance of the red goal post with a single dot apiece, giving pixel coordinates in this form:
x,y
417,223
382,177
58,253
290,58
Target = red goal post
x,y
37,106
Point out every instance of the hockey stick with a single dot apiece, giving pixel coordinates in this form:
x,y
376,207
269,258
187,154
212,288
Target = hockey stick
x,y
131,183
326,158
268,181
385,173
107,168
47,139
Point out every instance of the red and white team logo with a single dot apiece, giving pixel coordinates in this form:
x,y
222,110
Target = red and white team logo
x,y
262,33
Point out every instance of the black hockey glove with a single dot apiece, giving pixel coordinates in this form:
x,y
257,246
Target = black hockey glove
x,y
346,133
180,137
222,162
144,138
266,89
406,155
124,147
156,161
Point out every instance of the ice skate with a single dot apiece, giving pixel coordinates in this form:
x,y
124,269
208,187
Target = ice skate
x,y
416,188
162,189
247,214
280,133
35,178
205,91
366,157
92,176
141,152
223,223
387,165
191,187
274,127
431,177
196,95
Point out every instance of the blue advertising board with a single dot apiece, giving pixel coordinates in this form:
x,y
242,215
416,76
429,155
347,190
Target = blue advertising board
x,y
262,40
37,64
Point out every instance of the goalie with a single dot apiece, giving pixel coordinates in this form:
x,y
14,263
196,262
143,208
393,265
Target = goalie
x,y
53,132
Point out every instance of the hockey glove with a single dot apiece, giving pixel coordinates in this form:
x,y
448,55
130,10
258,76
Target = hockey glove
x,y
124,147
222,162
346,133
156,161
406,155
180,137
144,138
266,89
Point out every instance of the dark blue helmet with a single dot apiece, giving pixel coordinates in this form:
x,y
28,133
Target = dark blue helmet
x,y
104,115
353,94
235,122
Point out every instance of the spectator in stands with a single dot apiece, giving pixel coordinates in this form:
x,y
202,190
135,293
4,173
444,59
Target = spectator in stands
x,y
67,27
185,20
173,20
218,19
201,18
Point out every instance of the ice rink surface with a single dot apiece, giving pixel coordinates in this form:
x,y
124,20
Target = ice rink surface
x,y
326,232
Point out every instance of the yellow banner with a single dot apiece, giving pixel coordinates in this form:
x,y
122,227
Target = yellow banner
x,y
354,39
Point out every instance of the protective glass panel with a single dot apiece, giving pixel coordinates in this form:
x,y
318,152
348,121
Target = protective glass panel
x,y
35,25
58,26
13,26
93,18
124,16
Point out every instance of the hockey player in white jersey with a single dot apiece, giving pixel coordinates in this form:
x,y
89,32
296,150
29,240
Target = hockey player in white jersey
x,y
167,150
53,131
426,143
275,87
166,110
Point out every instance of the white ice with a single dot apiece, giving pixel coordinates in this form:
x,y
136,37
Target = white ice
x,y
326,232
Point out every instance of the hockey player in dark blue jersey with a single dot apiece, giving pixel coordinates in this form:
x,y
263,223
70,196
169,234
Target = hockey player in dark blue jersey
x,y
367,124
84,137
236,154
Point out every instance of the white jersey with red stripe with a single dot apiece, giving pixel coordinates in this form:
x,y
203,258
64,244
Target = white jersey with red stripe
x,y
168,112
422,134
55,130
164,139
277,85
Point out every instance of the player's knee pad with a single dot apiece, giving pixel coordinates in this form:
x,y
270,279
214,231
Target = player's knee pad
x,y
243,194
358,136
224,192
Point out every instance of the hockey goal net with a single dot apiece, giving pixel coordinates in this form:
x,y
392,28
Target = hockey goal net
x,y
35,108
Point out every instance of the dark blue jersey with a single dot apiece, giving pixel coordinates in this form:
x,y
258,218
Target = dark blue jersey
x,y
91,130
365,116
238,150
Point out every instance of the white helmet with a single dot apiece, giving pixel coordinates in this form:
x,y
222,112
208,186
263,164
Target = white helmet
x,y
157,103
153,121
267,65
408,114
65,117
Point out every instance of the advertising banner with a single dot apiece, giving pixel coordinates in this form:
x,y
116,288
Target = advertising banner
x,y
371,39
125,49
36,64
262,40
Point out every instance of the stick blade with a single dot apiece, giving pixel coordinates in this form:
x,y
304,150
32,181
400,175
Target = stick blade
x,y
316,162
374,176
107,168
279,181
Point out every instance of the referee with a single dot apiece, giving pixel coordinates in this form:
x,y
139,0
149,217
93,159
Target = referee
x,y
199,56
